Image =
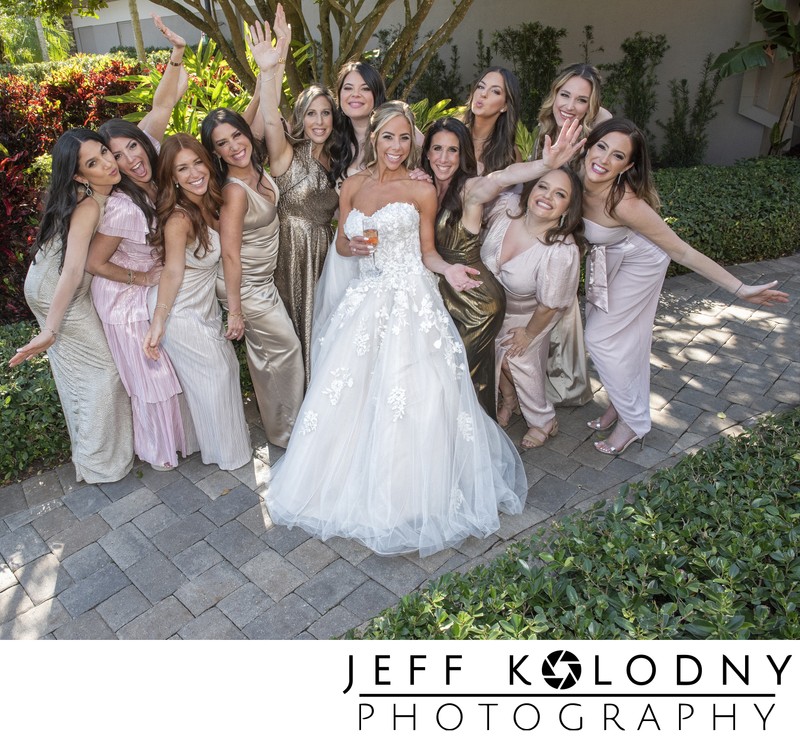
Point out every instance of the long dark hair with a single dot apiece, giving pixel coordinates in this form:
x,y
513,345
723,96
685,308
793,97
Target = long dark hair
x,y
500,150
346,144
301,106
171,197
217,117
467,165
62,195
573,215
118,128
639,177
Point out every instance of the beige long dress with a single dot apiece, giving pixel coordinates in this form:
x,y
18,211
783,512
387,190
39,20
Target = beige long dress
x,y
95,403
305,211
274,356
544,274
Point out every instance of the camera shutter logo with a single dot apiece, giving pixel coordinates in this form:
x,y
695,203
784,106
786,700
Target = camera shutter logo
x,y
561,669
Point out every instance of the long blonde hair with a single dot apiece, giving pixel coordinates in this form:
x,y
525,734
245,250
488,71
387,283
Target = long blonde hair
x,y
379,118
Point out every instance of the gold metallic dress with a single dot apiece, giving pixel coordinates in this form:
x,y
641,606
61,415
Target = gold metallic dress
x,y
478,313
273,351
305,211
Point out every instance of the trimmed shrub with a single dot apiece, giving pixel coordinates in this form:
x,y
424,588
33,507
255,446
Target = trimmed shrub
x,y
32,424
707,549
744,212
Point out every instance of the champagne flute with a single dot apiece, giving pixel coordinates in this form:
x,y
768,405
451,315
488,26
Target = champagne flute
x,y
369,228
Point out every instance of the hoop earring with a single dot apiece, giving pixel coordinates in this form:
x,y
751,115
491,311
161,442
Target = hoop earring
x,y
87,189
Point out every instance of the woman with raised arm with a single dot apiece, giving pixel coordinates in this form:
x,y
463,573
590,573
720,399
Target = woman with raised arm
x,y
631,249
391,446
185,315
96,408
122,260
574,96
248,229
301,163
478,313
492,116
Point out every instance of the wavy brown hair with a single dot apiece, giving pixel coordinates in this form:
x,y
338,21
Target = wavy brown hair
x,y
301,106
500,150
572,224
639,177
171,197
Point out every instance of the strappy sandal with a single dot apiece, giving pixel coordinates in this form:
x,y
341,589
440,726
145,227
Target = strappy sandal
x,y
505,410
536,437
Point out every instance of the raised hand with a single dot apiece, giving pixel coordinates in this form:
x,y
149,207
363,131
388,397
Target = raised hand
x,y
265,54
177,41
567,145
281,28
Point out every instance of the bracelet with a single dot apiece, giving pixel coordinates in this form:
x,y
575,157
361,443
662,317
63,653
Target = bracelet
x,y
282,61
55,334
236,315
130,277
176,64
268,79
164,306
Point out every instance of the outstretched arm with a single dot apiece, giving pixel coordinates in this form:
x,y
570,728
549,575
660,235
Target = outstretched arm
x,y
171,87
82,224
639,216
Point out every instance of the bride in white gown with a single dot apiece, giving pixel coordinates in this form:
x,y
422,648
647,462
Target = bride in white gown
x,y
391,446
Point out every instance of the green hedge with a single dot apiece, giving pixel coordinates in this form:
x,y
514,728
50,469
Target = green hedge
x,y
31,422
707,549
744,212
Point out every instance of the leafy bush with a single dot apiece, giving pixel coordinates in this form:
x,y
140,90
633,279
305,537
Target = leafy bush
x,y
32,424
533,51
20,209
630,85
707,549
685,133
744,212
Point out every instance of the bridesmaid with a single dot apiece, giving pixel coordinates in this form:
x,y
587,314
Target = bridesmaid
x,y
448,156
574,96
124,266
248,229
95,404
534,254
478,313
185,315
631,249
492,116
301,165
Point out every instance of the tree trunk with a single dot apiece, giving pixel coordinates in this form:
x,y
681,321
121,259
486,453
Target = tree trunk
x,y
42,39
70,31
138,41
788,104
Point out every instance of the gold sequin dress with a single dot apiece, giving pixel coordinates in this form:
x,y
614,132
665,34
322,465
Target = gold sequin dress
x,y
305,211
478,313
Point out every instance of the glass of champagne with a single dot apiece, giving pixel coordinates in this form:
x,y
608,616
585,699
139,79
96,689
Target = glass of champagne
x,y
369,228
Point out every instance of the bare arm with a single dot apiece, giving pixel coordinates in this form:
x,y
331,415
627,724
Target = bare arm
x,y
177,233
268,59
171,87
82,224
231,221
101,249
640,217
457,275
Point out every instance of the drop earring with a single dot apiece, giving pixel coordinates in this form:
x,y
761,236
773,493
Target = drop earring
x,y
619,178
87,189
561,221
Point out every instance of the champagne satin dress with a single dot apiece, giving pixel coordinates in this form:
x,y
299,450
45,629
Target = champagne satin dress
x,y
305,211
478,313
273,349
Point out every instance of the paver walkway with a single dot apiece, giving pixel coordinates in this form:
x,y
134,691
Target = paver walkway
x,y
191,553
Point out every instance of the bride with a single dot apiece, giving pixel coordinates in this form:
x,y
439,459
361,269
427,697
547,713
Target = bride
x,y
391,447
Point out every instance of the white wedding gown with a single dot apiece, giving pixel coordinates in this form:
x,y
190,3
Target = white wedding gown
x,y
391,447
